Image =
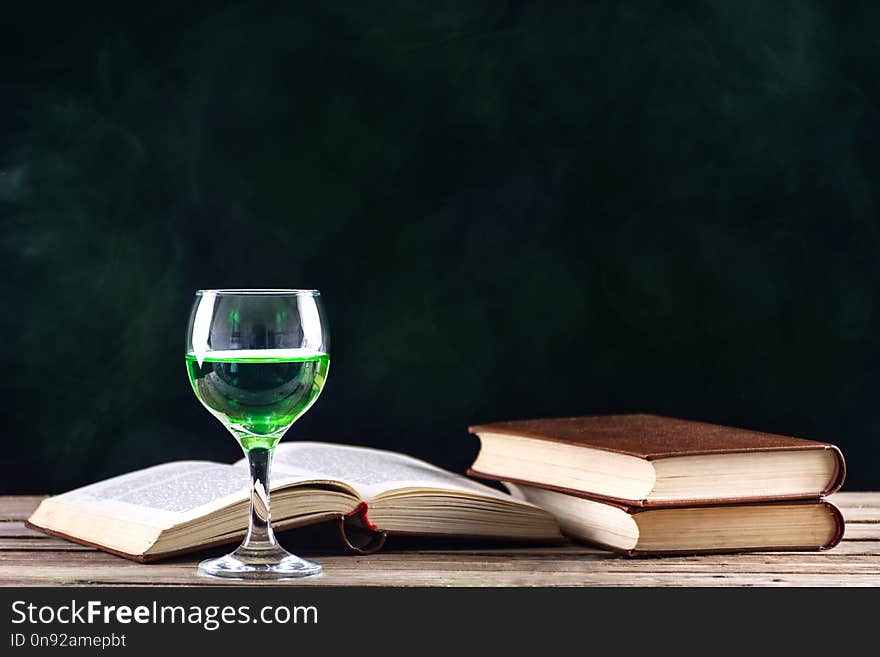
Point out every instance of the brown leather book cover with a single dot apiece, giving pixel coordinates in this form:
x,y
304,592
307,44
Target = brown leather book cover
x,y
652,437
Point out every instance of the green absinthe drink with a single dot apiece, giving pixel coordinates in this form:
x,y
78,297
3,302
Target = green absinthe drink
x,y
258,393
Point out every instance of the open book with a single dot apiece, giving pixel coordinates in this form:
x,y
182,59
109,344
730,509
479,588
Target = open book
x,y
183,506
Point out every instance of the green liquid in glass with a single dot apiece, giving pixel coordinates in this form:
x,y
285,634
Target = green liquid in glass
x,y
258,394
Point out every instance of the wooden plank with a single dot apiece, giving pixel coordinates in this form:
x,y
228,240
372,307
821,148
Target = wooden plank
x,y
92,567
861,514
855,547
550,563
856,499
858,531
858,507
850,564
18,507
16,529
410,572
549,558
478,575
40,545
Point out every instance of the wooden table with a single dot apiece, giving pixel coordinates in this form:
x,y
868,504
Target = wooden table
x,y
30,558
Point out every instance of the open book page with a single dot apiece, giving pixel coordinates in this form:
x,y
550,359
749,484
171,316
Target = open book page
x,y
370,471
172,493
163,495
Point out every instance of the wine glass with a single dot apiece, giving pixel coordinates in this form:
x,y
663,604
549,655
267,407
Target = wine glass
x,y
257,360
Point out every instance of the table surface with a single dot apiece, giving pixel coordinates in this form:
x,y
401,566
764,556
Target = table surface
x,y
31,558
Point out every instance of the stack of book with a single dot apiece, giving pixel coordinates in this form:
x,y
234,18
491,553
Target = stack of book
x,y
642,484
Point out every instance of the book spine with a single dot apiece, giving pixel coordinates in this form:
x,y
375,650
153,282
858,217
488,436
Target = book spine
x,y
839,473
841,525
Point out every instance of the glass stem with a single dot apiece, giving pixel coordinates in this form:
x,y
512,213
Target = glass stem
x,y
260,537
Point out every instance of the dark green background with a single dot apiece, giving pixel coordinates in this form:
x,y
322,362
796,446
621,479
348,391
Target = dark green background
x,y
513,209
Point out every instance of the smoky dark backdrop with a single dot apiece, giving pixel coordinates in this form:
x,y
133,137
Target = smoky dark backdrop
x,y
513,209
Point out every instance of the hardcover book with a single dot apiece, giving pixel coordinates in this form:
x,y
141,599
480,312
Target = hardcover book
x,y
646,460
184,506
795,525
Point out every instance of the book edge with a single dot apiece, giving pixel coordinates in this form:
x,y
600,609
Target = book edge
x,y
161,556
835,540
839,475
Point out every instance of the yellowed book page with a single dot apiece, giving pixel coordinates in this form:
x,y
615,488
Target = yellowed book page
x,y
170,494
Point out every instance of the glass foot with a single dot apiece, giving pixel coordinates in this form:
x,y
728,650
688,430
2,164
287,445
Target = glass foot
x,y
244,564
